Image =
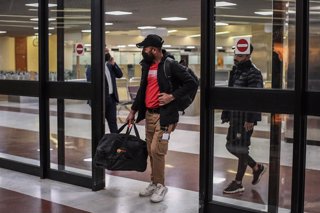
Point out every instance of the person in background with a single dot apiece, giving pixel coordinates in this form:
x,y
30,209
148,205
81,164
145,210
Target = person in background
x,y
157,103
244,74
112,71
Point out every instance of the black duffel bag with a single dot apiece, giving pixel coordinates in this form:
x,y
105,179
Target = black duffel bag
x,y
122,151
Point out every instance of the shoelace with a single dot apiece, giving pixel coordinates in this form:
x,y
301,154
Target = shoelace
x,y
159,190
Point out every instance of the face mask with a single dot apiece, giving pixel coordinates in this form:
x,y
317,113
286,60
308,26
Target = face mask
x,y
147,57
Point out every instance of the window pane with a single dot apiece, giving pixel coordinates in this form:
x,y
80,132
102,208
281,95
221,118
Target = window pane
x,y
73,22
18,41
314,31
269,26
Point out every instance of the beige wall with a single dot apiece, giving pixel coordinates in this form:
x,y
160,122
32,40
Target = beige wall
x,y
32,54
7,54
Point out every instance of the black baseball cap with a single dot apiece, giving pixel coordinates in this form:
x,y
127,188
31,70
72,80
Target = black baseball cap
x,y
151,40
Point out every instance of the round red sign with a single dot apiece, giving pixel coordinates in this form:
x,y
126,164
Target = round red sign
x,y
79,49
242,45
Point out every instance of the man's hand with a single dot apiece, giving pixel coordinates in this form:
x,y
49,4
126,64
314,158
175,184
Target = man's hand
x,y
248,126
130,119
165,98
111,61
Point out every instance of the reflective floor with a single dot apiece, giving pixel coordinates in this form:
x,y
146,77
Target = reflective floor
x,y
19,140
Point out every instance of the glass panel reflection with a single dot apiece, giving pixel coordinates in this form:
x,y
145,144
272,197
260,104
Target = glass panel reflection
x,y
75,153
312,180
19,128
243,158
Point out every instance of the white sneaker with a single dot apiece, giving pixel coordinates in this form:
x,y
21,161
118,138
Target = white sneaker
x,y
159,193
148,191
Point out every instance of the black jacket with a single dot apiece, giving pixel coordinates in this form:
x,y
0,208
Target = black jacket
x,y
115,72
244,75
169,112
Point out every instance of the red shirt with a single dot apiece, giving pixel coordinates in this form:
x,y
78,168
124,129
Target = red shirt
x,y
152,92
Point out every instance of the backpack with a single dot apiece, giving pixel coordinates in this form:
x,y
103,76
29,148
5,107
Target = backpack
x,y
186,101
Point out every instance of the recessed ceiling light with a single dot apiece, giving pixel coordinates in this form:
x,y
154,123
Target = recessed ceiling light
x,y
219,48
50,28
264,13
87,45
86,31
221,24
107,32
121,46
36,19
132,45
174,19
118,13
37,5
146,27
224,4
2,32
172,31
194,36
166,45
108,23
191,47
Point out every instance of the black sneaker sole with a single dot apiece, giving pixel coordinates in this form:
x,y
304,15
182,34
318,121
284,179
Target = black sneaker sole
x,y
235,191
263,171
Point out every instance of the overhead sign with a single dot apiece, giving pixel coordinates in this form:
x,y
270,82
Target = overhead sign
x,y
79,49
242,45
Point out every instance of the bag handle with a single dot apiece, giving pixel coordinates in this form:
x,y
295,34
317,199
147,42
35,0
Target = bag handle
x,y
129,128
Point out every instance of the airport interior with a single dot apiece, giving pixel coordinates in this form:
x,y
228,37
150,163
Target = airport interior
x,y
49,132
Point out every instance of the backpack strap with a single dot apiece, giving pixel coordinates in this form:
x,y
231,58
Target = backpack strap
x,y
167,70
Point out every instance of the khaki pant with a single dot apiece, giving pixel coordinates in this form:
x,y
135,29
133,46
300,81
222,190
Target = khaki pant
x,y
157,148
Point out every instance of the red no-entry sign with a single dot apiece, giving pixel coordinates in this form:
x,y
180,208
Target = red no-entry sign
x,y
242,46
79,49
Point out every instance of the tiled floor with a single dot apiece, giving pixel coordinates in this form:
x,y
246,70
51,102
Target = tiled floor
x,y
19,140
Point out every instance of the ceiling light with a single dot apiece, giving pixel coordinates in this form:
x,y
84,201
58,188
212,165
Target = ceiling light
x,y
174,19
50,28
223,32
172,31
108,23
221,24
132,45
166,45
219,48
121,46
118,13
87,159
36,19
2,32
315,8
224,4
86,31
37,5
146,27
87,45
264,13
191,47
194,36
107,32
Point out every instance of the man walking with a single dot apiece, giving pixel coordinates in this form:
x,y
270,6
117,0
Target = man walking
x,y
243,74
157,102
